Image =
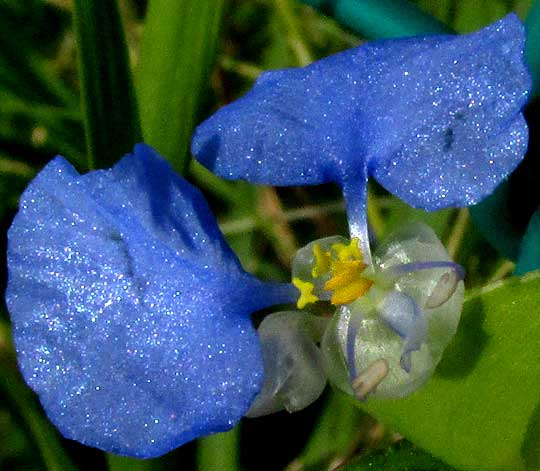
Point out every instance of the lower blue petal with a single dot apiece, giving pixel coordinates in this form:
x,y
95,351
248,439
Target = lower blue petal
x,y
130,314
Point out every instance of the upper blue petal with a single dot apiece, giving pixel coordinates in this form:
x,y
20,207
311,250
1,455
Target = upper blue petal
x,y
130,313
436,120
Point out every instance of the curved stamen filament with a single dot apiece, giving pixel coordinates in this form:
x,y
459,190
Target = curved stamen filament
x,y
406,268
446,285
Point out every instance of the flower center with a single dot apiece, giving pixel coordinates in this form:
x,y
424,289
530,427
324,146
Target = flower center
x,y
336,273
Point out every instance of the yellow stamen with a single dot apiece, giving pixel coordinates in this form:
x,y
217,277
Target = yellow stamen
x,y
306,292
349,251
347,282
322,261
348,293
343,273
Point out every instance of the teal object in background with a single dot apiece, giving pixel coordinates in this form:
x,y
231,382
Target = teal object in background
x,y
529,257
492,217
381,19
532,50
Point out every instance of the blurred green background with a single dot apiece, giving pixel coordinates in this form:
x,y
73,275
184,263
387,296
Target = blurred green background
x,y
188,58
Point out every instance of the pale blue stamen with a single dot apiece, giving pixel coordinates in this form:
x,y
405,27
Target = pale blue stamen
x,y
406,268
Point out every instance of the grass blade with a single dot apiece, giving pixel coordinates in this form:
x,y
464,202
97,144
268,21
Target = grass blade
x,y
179,46
219,452
108,98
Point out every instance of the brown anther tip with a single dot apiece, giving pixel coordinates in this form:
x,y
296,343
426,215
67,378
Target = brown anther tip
x,y
368,380
443,291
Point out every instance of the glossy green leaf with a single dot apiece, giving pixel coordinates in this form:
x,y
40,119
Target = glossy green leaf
x,y
380,18
402,456
481,410
178,51
108,99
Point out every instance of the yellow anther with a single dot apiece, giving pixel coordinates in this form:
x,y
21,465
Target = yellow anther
x,y
322,261
349,251
350,292
347,282
306,292
344,273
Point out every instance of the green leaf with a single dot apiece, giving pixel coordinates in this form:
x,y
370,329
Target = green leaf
x,y
178,51
219,452
380,18
108,99
529,256
402,456
481,410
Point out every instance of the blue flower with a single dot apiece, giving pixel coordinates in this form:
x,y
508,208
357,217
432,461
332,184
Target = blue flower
x,y
131,315
436,120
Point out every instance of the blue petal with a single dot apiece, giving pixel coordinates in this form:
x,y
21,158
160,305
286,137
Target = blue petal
x,y
130,313
437,120
464,130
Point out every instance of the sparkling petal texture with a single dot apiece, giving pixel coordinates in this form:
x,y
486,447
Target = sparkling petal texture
x,y
436,120
130,313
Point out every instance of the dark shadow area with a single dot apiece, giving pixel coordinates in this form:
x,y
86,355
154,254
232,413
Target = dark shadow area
x,y
523,196
465,349
271,442
208,153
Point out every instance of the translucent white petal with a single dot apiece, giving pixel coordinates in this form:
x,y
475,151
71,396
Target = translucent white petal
x,y
398,320
418,243
293,373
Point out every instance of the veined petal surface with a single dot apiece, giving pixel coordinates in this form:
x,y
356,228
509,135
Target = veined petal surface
x,y
130,313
